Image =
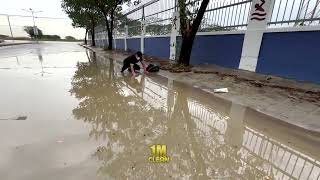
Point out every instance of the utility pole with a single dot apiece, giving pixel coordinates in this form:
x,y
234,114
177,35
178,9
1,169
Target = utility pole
x,y
10,27
35,29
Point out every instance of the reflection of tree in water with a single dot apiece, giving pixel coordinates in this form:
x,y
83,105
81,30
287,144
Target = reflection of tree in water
x,y
128,130
125,127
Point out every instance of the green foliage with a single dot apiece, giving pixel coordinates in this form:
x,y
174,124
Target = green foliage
x,y
191,14
212,28
157,26
30,31
83,13
70,38
158,29
154,26
51,37
110,9
3,36
188,10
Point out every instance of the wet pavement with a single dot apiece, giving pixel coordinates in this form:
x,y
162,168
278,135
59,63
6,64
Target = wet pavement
x,y
66,113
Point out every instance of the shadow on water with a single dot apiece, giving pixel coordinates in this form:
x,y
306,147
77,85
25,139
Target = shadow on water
x,y
206,137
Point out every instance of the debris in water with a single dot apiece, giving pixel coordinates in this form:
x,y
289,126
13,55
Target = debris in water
x,y
267,178
21,118
132,103
221,90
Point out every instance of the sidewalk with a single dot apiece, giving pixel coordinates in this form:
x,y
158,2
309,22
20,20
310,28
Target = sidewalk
x,y
16,42
292,102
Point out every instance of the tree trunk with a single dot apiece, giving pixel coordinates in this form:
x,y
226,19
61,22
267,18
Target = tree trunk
x,y
93,42
186,48
110,40
85,37
188,34
109,34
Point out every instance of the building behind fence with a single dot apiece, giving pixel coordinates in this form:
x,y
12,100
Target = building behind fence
x,y
285,46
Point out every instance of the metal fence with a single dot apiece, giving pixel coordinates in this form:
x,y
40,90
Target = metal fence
x,y
295,13
220,15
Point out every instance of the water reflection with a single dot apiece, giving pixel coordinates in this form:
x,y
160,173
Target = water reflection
x,y
207,137
39,54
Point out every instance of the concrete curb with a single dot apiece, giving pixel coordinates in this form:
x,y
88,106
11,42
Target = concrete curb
x,y
295,125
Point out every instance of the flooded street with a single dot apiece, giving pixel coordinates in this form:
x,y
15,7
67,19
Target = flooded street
x,y
66,113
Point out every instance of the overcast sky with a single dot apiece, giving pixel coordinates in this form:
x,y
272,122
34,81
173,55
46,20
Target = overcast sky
x,y
50,8
62,27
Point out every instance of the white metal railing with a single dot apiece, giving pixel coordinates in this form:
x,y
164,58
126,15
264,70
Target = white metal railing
x,y
222,15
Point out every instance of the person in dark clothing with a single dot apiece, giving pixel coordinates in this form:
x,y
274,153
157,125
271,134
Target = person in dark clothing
x,y
130,63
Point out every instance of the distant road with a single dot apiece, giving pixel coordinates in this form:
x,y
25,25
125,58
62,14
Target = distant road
x,y
15,42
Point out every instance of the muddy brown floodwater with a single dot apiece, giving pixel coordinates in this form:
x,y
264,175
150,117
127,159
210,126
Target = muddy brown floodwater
x,y
85,120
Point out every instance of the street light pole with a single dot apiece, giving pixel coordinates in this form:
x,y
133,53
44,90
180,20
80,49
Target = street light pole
x,y
34,23
35,29
10,27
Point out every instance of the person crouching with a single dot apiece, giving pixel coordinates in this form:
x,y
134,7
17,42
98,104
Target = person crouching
x,y
131,63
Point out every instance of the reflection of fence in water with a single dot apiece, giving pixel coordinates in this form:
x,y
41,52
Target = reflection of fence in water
x,y
155,94
207,117
278,159
284,162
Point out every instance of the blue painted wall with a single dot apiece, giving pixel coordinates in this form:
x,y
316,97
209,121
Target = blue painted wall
x,y
293,55
105,42
120,43
101,43
134,44
223,50
157,46
98,43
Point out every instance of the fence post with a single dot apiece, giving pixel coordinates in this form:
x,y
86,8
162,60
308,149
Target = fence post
x,y
259,17
234,132
170,96
175,28
125,37
143,30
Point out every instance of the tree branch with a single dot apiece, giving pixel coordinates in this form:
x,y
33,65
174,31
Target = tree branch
x,y
183,17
